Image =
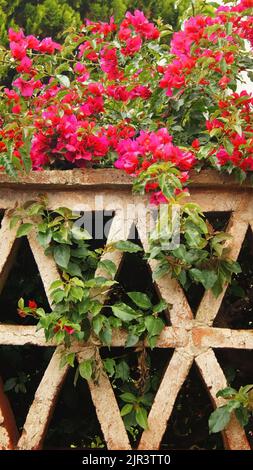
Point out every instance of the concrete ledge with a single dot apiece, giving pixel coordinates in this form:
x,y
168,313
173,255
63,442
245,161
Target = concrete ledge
x,y
109,178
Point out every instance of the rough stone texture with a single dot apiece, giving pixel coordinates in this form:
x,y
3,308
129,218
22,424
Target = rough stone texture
x,y
41,410
193,339
8,430
107,177
8,249
46,266
165,398
209,305
106,406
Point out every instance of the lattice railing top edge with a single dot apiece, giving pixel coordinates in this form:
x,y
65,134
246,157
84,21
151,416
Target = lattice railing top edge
x,y
192,338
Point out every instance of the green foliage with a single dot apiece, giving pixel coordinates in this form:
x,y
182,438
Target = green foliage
x,y
135,388
18,384
203,254
53,17
77,296
240,402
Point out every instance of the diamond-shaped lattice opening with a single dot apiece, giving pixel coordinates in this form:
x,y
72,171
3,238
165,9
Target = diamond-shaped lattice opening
x,y
98,224
236,310
219,221
21,369
188,425
237,367
135,275
140,375
23,281
74,424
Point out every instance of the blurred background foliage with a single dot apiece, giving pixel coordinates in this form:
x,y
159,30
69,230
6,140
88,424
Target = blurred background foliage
x,y
52,17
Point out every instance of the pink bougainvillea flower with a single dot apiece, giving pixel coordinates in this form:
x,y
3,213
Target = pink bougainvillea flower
x,y
11,94
102,28
133,45
27,87
48,46
18,49
158,198
69,329
224,81
15,36
25,65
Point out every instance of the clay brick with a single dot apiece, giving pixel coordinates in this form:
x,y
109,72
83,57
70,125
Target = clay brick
x,y
193,339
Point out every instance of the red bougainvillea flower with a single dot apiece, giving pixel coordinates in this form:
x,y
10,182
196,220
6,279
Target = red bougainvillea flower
x,y
69,329
60,326
32,304
196,144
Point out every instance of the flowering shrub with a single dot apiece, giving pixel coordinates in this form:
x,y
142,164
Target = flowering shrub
x,y
118,94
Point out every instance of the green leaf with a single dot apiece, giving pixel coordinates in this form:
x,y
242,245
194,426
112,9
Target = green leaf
x,y
227,392
205,277
122,371
74,269
124,312
62,255
36,209
109,365
142,417
44,238
106,335
63,80
126,409
154,325
219,419
24,230
86,369
76,293
147,399
242,415
160,307
127,246
152,340
109,266
14,220
21,303
95,307
10,384
160,271
140,299
56,284
132,340
58,296
68,359
80,233
97,323
233,405
128,397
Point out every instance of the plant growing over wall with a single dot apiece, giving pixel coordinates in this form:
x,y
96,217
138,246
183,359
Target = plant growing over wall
x,y
90,102
239,402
